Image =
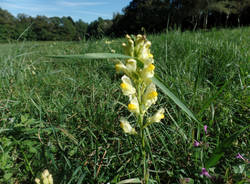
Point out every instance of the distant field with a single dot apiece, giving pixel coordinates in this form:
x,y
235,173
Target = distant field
x,y
63,114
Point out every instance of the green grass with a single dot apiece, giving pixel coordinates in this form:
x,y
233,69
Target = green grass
x,y
63,114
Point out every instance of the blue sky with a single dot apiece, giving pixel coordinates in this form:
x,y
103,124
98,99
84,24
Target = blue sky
x,y
87,10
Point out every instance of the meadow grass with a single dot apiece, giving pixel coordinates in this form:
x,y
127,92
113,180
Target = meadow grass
x,y
63,114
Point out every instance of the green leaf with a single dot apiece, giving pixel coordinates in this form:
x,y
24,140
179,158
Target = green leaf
x,y
132,180
229,141
239,169
176,100
214,159
92,56
220,150
210,100
7,176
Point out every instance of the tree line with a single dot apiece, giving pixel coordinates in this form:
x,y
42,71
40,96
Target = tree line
x,y
152,15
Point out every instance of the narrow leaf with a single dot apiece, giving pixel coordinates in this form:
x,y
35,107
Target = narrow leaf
x,y
210,100
229,141
220,150
132,180
176,100
92,56
214,159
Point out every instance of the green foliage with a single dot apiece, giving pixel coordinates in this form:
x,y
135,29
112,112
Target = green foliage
x,y
222,148
62,114
152,15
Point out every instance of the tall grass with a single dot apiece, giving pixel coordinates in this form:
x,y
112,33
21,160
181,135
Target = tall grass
x,y
63,115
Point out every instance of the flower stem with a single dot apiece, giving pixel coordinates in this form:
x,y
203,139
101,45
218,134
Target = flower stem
x,y
143,149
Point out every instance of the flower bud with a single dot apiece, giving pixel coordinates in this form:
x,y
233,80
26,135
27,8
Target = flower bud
x,y
120,67
131,65
125,125
157,116
37,181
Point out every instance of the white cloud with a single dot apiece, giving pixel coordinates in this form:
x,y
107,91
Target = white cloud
x,y
93,13
88,10
68,3
23,7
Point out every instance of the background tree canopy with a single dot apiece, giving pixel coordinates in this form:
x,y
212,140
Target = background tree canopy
x,y
152,15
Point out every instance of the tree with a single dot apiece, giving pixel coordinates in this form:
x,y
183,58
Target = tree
x,y
99,28
7,25
68,31
24,27
81,29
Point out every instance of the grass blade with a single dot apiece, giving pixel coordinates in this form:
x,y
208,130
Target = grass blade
x,y
93,56
220,150
132,180
176,100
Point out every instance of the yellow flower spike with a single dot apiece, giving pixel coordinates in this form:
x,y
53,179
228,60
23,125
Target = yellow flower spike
x,y
150,96
127,87
133,106
157,117
127,128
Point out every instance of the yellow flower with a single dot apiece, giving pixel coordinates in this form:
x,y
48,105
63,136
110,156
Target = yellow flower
x,y
131,65
128,69
150,96
127,87
133,106
148,72
127,128
120,67
157,117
